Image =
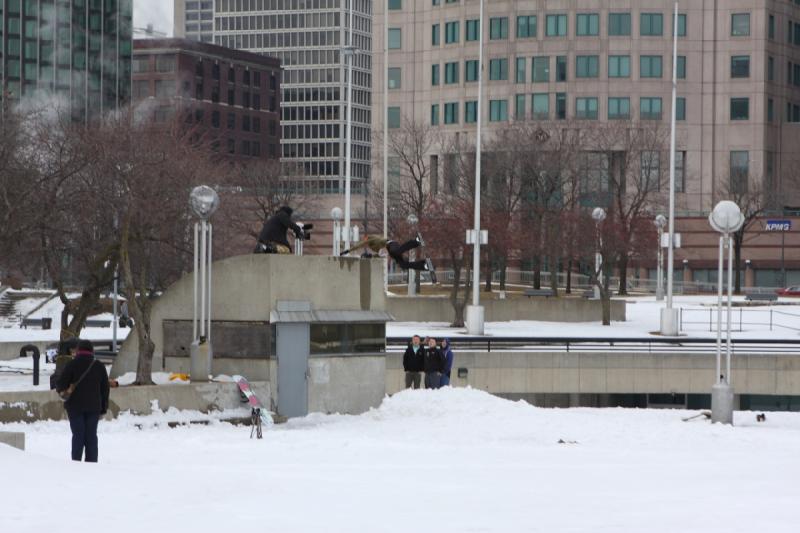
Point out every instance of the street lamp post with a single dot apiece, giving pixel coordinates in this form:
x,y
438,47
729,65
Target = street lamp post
x,y
204,202
336,215
349,52
599,215
669,316
660,222
412,274
475,312
726,218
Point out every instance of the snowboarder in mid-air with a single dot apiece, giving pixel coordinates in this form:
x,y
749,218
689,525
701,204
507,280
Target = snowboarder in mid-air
x,y
396,251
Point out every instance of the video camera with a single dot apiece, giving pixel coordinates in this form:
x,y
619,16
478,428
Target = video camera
x,y
307,231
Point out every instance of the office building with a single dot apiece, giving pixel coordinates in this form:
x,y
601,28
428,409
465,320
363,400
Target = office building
x,y
76,51
194,19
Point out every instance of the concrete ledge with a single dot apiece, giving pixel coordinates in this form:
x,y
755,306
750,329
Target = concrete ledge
x,y
13,438
204,397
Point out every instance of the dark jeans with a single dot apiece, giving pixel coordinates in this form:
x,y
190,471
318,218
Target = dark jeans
x,y
396,251
413,379
432,380
84,434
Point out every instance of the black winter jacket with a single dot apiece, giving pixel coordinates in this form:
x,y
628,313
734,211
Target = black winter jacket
x,y
276,226
434,360
413,362
91,394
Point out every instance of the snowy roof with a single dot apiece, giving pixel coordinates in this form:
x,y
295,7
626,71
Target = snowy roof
x,y
329,316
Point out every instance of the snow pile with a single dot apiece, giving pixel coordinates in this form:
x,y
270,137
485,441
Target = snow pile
x,y
448,460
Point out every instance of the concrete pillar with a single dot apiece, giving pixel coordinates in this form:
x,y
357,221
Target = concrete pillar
x,y
13,438
749,274
687,272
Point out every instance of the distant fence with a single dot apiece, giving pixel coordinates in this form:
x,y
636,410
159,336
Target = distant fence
x,y
741,317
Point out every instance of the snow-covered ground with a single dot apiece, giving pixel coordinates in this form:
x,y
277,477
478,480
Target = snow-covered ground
x,y
448,460
643,318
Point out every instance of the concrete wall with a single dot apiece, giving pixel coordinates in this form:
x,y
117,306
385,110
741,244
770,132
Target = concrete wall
x,y
439,309
346,384
45,405
10,350
611,373
15,439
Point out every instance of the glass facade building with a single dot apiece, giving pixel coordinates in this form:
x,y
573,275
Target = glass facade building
x,y
308,36
78,50
194,19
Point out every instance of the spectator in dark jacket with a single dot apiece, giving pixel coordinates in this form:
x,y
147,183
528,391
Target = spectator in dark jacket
x,y
448,362
66,353
434,364
88,402
413,363
273,234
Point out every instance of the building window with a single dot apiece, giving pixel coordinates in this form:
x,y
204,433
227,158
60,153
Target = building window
x,y
556,26
471,70
519,107
245,123
519,71
498,110
541,69
165,63
526,26
681,67
561,68
740,24
165,88
231,146
498,69
561,106
650,176
680,170
473,30
394,117
619,108
451,113
395,5
395,81
586,108
140,64
650,67
435,74
231,97
619,66
451,32
770,110
681,25
395,38
740,168
451,73
771,27
587,66
680,108
651,24
540,106
470,112
650,108
215,119
587,24
498,28
231,121
435,115
619,24
740,108
435,35
740,66
770,69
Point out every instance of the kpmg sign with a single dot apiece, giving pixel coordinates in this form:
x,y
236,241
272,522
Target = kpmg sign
x,y
778,225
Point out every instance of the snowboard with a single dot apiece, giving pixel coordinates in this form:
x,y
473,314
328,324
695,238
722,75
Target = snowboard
x,y
259,416
431,270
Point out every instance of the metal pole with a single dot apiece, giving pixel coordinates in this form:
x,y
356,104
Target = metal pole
x,y
349,148
783,264
659,268
719,311
203,278
670,327
730,300
210,253
386,125
114,321
476,249
195,280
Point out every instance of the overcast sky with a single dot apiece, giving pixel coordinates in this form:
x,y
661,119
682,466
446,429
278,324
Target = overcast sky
x,y
155,12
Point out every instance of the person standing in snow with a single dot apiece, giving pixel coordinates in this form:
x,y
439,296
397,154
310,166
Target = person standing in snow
x,y
413,363
433,364
448,362
88,402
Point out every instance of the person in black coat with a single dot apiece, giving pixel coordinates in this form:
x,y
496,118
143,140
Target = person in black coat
x,y
413,363
88,402
273,234
434,363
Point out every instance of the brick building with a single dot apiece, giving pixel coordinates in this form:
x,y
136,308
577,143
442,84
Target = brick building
x,y
233,95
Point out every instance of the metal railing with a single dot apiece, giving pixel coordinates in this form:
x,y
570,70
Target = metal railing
x,y
608,344
740,317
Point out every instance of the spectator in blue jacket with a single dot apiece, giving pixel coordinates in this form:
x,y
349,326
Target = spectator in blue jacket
x,y
448,363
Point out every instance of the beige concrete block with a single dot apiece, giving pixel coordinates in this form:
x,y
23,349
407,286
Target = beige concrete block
x,y
787,382
676,379
479,378
590,360
514,360
593,380
566,360
701,380
566,380
677,361
614,360
620,380
756,382
540,379
647,361
513,380
493,380
647,380
541,360
760,362
788,363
